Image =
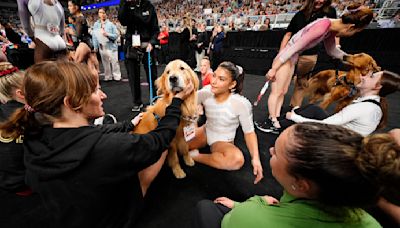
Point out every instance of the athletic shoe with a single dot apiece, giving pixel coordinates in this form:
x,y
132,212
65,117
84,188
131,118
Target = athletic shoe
x,y
267,127
109,119
137,107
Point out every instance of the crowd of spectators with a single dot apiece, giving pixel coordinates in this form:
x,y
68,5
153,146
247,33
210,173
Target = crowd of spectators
x,y
233,15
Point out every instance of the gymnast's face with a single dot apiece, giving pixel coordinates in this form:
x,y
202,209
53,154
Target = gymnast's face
x,y
221,81
370,81
279,162
72,8
318,4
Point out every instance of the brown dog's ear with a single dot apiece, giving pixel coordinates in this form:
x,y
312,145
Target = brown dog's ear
x,y
195,80
160,83
375,66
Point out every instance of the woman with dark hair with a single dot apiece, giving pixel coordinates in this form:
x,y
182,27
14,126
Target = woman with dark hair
x,y
225,108
84,46
86,176
364,115
354,20
328,174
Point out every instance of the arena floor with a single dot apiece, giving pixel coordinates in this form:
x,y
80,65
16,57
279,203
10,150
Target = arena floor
x,y
170,202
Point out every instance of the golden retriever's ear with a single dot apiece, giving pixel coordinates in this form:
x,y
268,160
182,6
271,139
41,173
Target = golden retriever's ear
x,y
195,79
375,65
160,83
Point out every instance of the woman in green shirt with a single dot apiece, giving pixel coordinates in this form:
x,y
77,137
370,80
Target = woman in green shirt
x,y
328,174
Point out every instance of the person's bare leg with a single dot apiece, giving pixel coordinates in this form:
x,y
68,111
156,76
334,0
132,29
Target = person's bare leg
x,y
298,92
305,65
93,64
224,155
3,57
278,89
286,84
147,175
82,53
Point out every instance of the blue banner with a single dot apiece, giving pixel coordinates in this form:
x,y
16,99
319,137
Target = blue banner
x,y
100,4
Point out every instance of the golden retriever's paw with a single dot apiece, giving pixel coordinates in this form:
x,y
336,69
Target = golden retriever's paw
x,y
178,172
188,160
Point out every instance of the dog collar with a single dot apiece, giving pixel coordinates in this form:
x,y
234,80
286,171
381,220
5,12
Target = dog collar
x,y
157,117
191,119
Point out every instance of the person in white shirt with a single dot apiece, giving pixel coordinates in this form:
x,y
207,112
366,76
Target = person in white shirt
x,y
105,35
225,109
365,114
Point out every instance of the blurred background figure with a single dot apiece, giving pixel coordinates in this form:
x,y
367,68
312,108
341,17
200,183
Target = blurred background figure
x,y
84,46
141,36
163,37
201,42
105,35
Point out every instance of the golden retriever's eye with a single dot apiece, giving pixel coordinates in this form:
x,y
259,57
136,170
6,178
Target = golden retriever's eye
x,y
167,71
182,68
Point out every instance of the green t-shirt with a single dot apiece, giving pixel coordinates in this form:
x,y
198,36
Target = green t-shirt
x,y
291,212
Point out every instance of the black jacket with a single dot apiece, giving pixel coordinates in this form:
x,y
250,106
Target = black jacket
x,y
12,169
202,37
87,176
140,20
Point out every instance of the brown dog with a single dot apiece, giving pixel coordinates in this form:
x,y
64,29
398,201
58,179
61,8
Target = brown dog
x,y
176,76
340,88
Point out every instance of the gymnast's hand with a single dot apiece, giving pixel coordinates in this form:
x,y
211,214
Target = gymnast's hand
x,y
270,200
257,169
225,201
271,74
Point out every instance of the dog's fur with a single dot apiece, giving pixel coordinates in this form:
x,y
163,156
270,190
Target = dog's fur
x,y
175,77
324,84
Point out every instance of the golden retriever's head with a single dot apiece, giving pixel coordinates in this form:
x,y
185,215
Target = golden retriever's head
x,y
362,62
176,76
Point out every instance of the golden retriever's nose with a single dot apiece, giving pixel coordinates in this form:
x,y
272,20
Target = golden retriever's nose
x,y
173,79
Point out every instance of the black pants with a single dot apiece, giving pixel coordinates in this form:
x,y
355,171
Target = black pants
x,y
209,214
216,59
164,55
310,111
23,211
133,69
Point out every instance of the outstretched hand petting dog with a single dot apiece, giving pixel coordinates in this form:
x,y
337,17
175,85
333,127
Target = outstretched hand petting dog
x,y
185,92
137,119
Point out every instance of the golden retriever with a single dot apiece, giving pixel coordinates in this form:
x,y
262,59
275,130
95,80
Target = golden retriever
x,y
176,76
330,88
